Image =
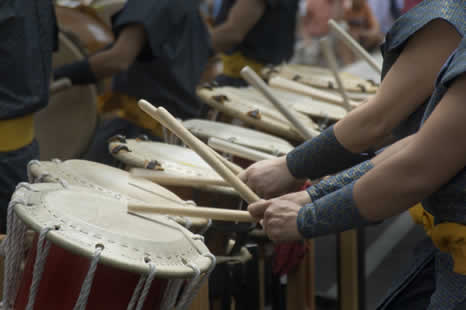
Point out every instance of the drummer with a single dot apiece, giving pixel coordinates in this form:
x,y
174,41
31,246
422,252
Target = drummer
x,y
26,43
159,54
422,96
254,33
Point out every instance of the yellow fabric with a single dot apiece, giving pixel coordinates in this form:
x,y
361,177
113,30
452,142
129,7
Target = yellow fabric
x,y
126,107
232,64
16,133
447,237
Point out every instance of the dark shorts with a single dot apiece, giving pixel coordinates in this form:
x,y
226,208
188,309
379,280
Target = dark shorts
x,y
13,170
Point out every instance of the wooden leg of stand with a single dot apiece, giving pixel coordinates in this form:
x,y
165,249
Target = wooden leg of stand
x,y
201,301
348,266
300,287
2,268
310,272
261,266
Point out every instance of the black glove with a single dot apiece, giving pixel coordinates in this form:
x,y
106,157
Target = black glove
x,y
79,72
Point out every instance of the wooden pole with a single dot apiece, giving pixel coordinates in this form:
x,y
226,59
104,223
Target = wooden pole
x,y
354,46
199,147
249,75
204,212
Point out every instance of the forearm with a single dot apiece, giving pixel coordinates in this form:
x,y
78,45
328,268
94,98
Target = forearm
x,y
105,64
335,182
395,100
241,19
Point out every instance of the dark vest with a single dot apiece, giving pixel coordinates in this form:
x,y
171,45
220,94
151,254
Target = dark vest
x,y
27,39
272,39
170,67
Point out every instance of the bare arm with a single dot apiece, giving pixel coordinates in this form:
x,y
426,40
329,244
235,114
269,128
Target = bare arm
x,y
396,100
434,155
121,55
241,19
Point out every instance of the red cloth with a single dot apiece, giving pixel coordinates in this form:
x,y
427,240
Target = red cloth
x,y
409,4
288,256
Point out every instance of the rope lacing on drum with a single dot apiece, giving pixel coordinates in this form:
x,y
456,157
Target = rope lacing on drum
x,y
171,293
14,249
87,284
195,284
144,283
43,247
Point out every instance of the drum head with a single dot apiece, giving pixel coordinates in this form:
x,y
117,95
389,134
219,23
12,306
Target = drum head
x,y
239,135
64,129
85,219
114,182
322,78
173,159
258,113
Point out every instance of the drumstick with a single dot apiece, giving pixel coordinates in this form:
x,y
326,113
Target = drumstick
x,y
59,85
163,178
332,63
355,46
233,167
199,147
238,150
204,212
249,75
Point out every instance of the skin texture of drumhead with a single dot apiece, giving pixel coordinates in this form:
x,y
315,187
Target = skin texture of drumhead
x,y
114,182
239,135
85,219
64,129
174,159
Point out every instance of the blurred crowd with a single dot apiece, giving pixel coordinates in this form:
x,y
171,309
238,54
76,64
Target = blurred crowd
x,y
366,20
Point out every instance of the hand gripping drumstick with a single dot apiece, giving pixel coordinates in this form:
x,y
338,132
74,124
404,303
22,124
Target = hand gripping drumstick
x,y
249,75
332,63
199,147
204,212
353,45
59,85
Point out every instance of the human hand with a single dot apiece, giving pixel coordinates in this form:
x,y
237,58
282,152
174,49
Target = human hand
x,y
270,178
278,218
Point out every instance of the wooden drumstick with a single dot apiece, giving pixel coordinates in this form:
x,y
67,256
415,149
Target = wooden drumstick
x,y
354,46
253,79
238,150
199,147
332,63
163,178
203,212
59,85
233,167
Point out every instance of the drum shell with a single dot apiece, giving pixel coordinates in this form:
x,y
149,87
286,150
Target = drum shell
x,y
64,273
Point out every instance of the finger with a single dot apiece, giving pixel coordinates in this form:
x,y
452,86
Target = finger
x,y
243,176
257,209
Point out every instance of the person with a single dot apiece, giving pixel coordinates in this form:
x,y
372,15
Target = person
x,y
159,54
254,33
421,102
27,39
386,12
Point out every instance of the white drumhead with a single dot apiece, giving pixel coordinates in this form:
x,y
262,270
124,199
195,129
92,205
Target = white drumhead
x,y
174,159
65,128
86,219
112,181
239,135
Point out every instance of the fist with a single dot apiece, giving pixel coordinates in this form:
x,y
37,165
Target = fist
x,y
270,178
